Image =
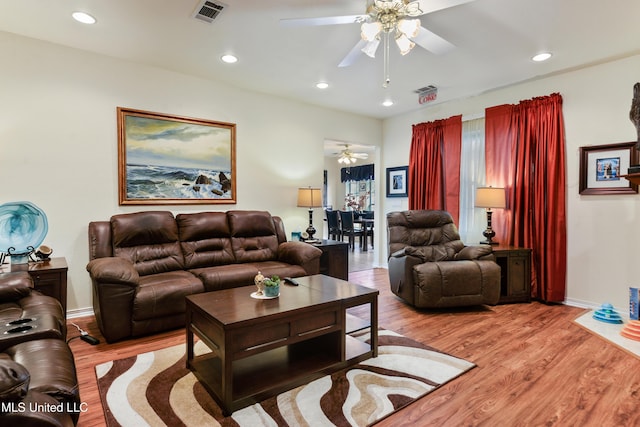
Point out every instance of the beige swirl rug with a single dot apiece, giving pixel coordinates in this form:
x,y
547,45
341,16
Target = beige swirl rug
x,y
155,389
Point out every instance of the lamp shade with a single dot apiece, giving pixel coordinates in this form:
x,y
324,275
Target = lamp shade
x,y
490,197
309,197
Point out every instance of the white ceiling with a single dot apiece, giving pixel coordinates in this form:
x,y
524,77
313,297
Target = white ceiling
x,y
494,41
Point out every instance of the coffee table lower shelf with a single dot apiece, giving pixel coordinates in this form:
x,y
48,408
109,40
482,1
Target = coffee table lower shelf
x,y
267,374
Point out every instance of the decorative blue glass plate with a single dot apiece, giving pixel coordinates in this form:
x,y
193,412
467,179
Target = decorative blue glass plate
x,y
23,227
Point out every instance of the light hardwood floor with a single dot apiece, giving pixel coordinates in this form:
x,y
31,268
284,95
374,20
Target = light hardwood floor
x,y
535,367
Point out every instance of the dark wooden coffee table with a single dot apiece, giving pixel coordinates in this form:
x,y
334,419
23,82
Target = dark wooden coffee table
x,y
260,348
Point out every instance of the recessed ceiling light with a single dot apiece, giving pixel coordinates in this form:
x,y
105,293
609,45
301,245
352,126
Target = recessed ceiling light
x,y
229,59
322,85
83,17
388,103
541,57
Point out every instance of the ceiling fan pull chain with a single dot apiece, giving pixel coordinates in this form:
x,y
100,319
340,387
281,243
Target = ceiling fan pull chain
x,y
387,79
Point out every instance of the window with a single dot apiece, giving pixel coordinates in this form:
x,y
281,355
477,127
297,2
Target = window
x,y
359,195
472,220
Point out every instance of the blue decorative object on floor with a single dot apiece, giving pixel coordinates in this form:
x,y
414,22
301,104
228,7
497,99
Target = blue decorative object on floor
x,y
23,227
606,313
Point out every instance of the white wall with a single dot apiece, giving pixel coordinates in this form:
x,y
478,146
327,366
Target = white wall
x,y
603,231
58,141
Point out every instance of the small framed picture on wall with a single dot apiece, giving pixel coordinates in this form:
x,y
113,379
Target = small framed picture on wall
x,y
602,169
397,183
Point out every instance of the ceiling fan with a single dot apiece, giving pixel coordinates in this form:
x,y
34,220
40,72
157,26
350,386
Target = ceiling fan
x,y
386,18
348,157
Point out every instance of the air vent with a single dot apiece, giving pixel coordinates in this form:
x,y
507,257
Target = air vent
x,y
207,10
425,89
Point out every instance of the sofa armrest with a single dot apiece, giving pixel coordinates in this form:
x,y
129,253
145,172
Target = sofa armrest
x,y
113,270
15,286
298,253
484,252
303,254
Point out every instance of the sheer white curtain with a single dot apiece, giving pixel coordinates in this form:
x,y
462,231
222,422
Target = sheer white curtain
x,y
473,221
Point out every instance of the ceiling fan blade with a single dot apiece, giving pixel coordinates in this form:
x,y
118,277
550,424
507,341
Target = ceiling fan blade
x,y
360,155
353,54
327,20
432,42
431,6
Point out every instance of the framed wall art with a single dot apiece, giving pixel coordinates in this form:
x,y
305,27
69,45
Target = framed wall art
x,y
602,169
167,160
397,184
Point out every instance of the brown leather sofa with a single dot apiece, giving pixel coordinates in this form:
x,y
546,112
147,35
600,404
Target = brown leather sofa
x,y
143,264
430,267
38,382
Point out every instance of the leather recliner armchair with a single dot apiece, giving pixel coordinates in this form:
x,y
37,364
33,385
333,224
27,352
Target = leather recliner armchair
x,y
430,267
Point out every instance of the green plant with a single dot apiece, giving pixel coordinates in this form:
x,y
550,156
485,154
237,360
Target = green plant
x,y
273,281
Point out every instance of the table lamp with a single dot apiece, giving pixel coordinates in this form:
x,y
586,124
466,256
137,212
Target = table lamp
x,y
490,197
310,198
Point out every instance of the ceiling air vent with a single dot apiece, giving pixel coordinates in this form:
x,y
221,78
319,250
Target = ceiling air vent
x,y
207,10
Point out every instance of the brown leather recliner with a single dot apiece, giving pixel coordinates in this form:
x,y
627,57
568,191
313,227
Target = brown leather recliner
x,y
430,267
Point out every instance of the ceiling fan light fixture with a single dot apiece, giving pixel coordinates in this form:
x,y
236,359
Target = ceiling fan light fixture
x,y
346,159
371,47
370,30
404,44
409,27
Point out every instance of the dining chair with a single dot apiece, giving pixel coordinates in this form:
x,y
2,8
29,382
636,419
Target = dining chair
x,y
368,215
347,228
333,224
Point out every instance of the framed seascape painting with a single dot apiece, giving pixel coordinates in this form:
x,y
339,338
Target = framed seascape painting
x,y
397,182
602,169
167,160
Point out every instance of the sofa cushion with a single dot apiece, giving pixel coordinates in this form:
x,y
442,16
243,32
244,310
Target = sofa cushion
x,y
226,276
149,240
163,294
205,239
254,237
277,268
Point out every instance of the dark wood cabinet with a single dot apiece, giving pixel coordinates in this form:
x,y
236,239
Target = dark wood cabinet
x,y
334,261
50,278
515,275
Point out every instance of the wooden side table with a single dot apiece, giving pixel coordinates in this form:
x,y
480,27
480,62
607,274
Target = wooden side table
x,y
515,275
334,261
49,278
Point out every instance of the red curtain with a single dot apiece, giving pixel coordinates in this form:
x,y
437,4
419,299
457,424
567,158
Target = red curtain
x,y
434,166
525,153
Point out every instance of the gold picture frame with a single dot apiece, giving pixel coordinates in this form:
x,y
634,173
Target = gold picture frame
x,y
165,159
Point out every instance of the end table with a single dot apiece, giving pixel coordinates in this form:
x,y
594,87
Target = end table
x,y
515,274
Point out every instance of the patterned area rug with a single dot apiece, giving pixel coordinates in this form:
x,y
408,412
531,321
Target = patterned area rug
x,y
156,389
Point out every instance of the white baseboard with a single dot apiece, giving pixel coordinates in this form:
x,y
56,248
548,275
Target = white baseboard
x,y
80,312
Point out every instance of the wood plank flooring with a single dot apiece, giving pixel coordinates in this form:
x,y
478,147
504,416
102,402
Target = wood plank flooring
x,y
535,367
